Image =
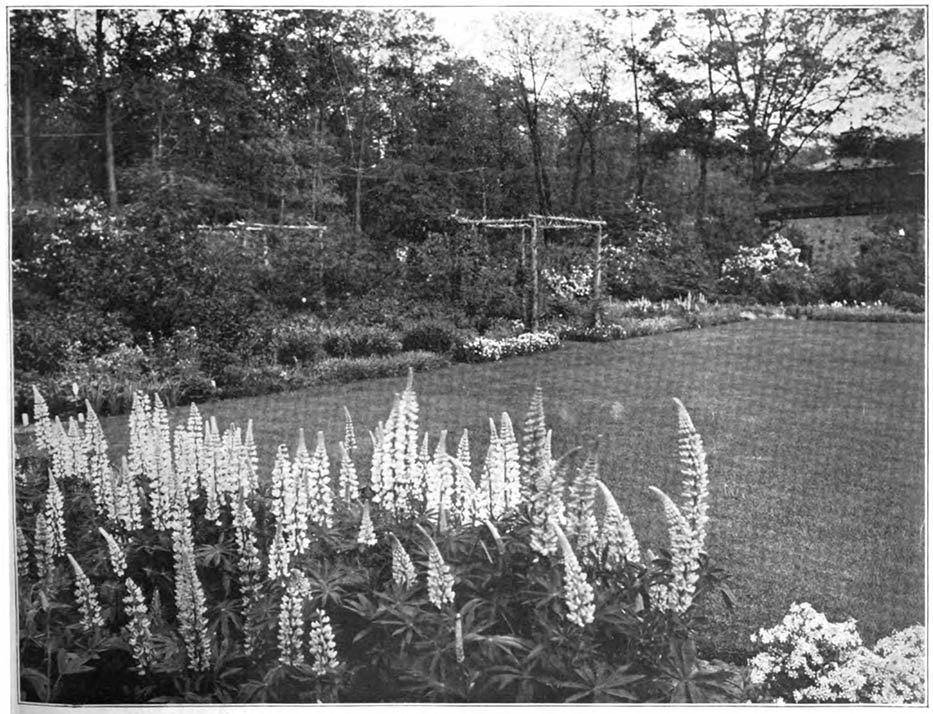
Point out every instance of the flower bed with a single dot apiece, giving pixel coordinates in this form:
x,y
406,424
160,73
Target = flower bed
x,y
485,349
187,576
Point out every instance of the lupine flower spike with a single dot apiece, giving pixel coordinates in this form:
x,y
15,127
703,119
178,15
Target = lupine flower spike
x,y
138,626
323,645
117,557
403,570
695,473
367,535
458,639
86,595
578,593
440,579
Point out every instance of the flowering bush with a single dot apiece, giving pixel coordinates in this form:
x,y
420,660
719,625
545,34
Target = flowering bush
x,y
187,575
771,272
808,659
486,349
575,284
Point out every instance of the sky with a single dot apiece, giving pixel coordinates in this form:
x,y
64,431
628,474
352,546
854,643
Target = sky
x,y
472,30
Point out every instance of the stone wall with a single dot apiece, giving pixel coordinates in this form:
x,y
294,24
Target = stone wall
x,y
833,240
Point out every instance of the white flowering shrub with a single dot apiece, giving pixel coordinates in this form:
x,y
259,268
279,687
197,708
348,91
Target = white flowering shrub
x,y
574,284
807,659
770,272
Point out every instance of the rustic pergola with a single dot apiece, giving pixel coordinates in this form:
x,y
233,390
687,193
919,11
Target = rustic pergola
x,y
252,227
529,252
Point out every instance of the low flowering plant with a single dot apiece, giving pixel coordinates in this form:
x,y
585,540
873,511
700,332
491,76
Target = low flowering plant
x,y
485,349
807,659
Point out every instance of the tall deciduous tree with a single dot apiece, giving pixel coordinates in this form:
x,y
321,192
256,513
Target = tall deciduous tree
x,y
790,72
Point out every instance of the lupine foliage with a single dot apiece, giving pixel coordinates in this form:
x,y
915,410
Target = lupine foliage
x,y
184,575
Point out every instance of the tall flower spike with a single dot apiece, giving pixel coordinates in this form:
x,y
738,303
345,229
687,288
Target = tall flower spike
x,y
55,516
44,550
367,535
684,555
22,554
578,593
695,473
322,644
581,511
86,595
117,557
440,579
139,626
513,487
403,570
616,535
320,491
349,433
40,414
291,621
535,454
348,486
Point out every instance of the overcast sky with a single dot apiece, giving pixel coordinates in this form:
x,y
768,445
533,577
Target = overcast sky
x,y
472,30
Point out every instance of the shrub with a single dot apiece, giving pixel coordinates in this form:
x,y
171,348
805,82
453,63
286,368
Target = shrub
x,y
432,336
598,333
902,300
297,340
348,369
360,341
42,339
771,272
200,582
807,659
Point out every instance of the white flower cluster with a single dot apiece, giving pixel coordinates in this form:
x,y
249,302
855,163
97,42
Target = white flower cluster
x,y
761,260
826,661
576,284
486,349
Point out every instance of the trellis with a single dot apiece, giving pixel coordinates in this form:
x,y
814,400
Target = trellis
x,y
244,227
532,223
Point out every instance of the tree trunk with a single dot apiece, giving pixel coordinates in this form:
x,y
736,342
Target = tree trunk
x,y
110,161
104,99
27,144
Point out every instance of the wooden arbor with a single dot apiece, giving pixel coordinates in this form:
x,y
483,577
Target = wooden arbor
x,y
263,229
530,227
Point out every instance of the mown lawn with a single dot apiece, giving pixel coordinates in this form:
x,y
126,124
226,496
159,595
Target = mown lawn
x,y
814,432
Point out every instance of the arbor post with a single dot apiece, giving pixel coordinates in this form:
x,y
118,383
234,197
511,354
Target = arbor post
x,y
597,277
534,275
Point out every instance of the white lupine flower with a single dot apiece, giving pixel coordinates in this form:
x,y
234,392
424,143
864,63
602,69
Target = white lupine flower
x,y
22,554
403,570
279,556
367,536
42,421
320,491
696,476
249,566
616,535
115,550
581,505
291,620
510,454
190,602
55,517
685,550
547,509
578,593
86,595
138,626
440,579
98,465
44,548
349,433
348,487
323,645
252,455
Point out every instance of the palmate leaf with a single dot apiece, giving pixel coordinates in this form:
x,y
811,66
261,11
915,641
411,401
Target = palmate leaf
x,y
602,683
